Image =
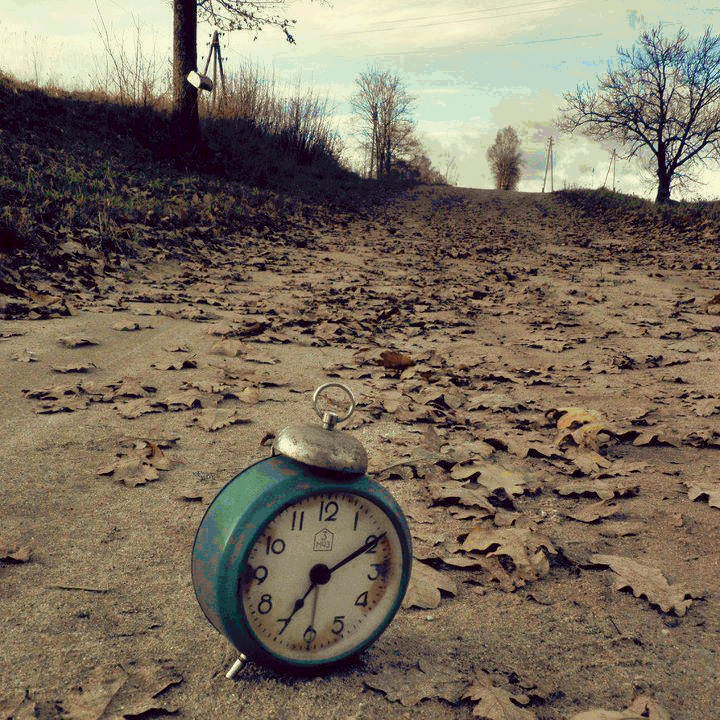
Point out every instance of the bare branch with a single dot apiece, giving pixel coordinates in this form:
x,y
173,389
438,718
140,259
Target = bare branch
x,y
384,108
662,97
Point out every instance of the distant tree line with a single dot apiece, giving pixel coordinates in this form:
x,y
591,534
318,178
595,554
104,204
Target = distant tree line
x,y
383,110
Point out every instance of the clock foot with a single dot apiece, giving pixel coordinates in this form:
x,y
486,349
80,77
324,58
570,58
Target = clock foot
x,y
236,667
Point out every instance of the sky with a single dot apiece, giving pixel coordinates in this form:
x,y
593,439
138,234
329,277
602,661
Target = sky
x,y
474,66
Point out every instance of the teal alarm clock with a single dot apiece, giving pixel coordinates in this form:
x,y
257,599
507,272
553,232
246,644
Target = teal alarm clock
x,y
302,560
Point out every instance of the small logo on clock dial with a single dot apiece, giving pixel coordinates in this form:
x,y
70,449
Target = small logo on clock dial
x,y
323,541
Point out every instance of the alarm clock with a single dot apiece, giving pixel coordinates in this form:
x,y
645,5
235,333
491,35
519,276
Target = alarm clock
x,y
302,560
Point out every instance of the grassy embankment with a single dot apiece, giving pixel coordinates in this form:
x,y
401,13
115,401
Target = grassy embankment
x,y
98,169
101,171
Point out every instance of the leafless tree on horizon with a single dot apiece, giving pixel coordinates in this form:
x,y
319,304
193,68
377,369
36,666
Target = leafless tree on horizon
x,y
660,102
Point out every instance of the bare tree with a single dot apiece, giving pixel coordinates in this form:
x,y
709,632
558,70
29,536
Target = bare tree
x,y
505,159
384,107
661,103
252,15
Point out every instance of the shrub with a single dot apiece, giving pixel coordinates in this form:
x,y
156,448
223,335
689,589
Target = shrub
x,y
505,159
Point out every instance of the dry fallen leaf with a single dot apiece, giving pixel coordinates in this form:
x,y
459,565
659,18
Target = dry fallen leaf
x,y
212,419
647,581
494,703
113,692
580,427
186,400
425,586
75,341
592,513
526,548
707,407
602,489
642,708
141,406
395,360
587,461
183,364
127,387
573,417
460,494
140,465
228,348
26,356
90,700
260,358
656,438
411,685
61,398
496,477
705,489
12,553
129,326
608,715
74,368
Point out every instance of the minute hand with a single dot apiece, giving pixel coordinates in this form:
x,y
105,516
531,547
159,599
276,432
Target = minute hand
x,y
367,546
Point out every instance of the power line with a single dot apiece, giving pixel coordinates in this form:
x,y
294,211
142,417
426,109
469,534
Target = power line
x,y
533,42
463,16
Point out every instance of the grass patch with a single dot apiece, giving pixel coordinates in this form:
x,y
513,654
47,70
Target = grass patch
x,y
84,166
609,207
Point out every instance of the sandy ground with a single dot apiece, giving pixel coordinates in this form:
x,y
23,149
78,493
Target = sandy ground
x,y
510,314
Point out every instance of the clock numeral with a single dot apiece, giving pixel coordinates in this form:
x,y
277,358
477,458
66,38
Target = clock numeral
x,y
259,573
297,520
372,548
362,599
357,517
328,511
274,546
338,625
285,622
265,604
378,568
310,634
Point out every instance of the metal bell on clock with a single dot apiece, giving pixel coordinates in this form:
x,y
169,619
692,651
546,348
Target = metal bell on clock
x,y
324,447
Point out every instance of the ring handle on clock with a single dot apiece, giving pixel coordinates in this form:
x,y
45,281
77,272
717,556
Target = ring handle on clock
x,y
330,418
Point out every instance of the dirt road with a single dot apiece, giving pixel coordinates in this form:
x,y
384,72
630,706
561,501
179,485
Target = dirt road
x,y
567,565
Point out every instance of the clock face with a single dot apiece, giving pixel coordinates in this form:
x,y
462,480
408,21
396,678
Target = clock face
x,y
323,578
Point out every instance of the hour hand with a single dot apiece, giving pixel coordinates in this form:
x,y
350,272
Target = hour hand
x,y
299,604
320,575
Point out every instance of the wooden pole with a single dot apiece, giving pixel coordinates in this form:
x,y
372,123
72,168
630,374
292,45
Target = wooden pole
x,y
207,62
214,77
222,72
548,154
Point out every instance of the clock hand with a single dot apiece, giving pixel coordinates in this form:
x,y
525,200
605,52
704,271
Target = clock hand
x,y
320,575
367,546
299,604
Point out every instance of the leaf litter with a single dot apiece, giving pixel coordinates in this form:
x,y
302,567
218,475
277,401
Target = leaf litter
x,y
141,462
506,472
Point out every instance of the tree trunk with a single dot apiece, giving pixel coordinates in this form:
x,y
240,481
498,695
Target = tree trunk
x,y
663,191
185,117
664,176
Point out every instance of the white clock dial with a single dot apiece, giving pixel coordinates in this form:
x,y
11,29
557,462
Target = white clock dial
x,y
322,577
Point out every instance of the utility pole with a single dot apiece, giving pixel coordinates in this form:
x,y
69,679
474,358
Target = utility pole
x,y
611,165
215,103
549,162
